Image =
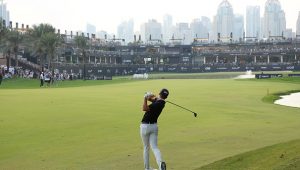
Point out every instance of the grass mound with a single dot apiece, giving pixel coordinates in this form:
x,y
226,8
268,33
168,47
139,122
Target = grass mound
x,y
279,156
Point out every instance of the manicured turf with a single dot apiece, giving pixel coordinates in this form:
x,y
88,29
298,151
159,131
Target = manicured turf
x,y
17,83
277,157
97,126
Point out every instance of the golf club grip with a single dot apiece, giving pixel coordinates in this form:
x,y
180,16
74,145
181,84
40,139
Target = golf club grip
x,y
182,107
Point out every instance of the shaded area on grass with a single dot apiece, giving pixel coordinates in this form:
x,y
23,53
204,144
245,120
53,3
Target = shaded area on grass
x,y
279,156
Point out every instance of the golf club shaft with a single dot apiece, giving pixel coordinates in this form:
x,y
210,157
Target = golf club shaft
x,y
181,107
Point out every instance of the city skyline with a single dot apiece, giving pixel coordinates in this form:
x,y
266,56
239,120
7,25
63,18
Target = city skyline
x,y
107,15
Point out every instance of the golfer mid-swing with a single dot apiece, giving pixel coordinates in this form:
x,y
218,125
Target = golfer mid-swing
x,y
149,128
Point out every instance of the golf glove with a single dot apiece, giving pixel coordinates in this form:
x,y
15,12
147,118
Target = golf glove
x,y
148,94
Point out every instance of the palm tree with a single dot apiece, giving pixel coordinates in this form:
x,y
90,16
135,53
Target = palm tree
x,y
3,47
37,47
81,43
2,33
13,41
10,41
50,41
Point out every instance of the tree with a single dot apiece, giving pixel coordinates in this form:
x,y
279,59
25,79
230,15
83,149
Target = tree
x,y
2,33
81,43
49,42
10,41
38,48
13,41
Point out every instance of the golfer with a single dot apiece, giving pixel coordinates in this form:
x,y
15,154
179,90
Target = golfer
x,y
149,128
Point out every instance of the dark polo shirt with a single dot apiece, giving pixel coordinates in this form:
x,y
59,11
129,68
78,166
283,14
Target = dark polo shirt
x,y
151,116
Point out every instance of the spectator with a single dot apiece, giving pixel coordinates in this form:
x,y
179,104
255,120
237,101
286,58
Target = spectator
x,y
47,79
1,76
42,79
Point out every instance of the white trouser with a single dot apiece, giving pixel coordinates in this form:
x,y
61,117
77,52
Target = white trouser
x,y
149,134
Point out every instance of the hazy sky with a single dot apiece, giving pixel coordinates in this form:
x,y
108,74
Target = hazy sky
x,y
107,14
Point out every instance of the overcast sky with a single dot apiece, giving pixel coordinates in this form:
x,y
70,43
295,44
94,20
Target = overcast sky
x,y
107,14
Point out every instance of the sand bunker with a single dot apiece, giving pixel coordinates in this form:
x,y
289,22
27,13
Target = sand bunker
x,y
248,75
292,100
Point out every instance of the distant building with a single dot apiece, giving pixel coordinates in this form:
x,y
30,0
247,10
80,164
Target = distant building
x,y
167,28
200,29
91,29
298,26
182,31
151,31
238,32
274,19
288,33
196,28
125,31
253,21
101,35
223,22
262,28
4,13
207,26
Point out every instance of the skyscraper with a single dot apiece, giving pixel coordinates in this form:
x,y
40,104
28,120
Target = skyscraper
x,y
2,9
4,13
207,27
274,19
196,28
91,29
183,31
102,34
200,28
238,32
167,28
298,26
125,31
151,30
253,21
223,22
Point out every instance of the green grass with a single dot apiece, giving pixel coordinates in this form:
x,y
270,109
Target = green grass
x,y
276,157
196,75
18,83
271,97
215,75
96,124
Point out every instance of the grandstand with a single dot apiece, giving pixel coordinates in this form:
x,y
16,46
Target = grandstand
x,y
112,57
130,59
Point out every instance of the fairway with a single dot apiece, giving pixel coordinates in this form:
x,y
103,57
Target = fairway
x,y
97,126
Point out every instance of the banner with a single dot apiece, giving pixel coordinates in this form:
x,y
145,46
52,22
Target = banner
x,y
267,76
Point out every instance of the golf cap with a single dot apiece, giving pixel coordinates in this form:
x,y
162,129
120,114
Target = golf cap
x,y
164,93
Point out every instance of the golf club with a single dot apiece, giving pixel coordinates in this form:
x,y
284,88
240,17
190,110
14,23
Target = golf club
x,y
195,114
